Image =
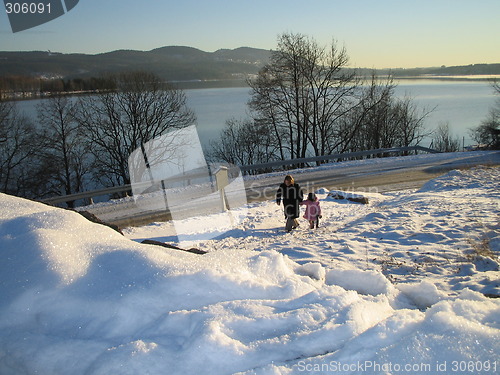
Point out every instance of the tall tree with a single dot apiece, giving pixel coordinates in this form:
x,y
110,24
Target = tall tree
x,y
302,93
410,122
18,148
381,120
65,155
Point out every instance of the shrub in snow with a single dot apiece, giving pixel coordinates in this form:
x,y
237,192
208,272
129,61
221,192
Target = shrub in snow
x,y
352,197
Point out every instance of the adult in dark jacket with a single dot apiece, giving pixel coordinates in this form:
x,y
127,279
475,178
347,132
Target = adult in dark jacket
x,y
291,194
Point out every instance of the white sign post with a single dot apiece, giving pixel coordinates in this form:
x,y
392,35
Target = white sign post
x,y
222,180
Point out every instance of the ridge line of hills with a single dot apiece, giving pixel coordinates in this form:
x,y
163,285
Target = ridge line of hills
x,y
180,63
173,63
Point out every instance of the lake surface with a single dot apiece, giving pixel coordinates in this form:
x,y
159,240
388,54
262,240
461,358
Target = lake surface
x,y
462,104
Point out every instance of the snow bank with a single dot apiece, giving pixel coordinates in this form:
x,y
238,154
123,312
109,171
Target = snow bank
x,y
78,297
375,286
458,336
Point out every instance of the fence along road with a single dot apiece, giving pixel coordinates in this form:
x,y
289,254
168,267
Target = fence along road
x,y
377,175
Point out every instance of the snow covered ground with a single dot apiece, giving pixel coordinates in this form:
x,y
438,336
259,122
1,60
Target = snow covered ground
x,y
404,284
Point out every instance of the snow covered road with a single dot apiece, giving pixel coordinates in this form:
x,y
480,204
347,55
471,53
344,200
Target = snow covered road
x,y
371,175
380,174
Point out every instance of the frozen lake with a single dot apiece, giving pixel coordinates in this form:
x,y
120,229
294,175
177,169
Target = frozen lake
x,y
463,104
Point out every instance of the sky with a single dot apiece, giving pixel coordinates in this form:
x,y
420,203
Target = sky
x,y
376,34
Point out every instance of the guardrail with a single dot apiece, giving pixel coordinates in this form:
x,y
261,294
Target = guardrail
x,y
343,156
246,168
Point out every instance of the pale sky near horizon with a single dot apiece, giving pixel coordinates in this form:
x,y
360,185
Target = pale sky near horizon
x,y
376,34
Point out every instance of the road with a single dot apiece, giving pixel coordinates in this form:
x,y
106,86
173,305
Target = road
x,y
370,175
376,175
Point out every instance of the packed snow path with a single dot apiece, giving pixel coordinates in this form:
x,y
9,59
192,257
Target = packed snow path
x,y
396,286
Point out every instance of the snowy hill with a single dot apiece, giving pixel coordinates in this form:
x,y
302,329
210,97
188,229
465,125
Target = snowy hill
x,y
398,285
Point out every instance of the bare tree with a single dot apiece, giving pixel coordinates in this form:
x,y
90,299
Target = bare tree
x,y
18,147
312,104
65,156
141,108
244,142
6,111
372,123
410,122
302,93
443,140
381,120
487,134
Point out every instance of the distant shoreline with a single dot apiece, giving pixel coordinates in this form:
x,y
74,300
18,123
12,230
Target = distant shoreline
x,y
227,83
209,84
241,83
471,77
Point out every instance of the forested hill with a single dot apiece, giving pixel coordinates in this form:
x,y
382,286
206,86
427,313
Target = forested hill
x,y
174,63
178,63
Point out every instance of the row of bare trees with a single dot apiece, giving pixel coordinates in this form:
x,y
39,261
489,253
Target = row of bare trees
x,y
305,102
32,87
85,142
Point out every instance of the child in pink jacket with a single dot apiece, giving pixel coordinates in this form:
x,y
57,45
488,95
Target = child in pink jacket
x,y
313,210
